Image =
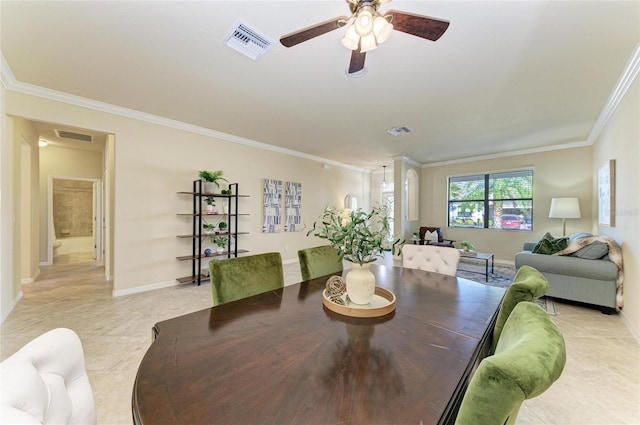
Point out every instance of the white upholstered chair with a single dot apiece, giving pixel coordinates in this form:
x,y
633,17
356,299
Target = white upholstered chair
x,y
45,382
431,258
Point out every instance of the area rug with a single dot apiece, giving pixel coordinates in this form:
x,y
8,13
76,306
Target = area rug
x,y
502,276
548,304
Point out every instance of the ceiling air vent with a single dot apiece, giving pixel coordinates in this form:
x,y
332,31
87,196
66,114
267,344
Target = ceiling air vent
x,y
396,131
247,41
64,134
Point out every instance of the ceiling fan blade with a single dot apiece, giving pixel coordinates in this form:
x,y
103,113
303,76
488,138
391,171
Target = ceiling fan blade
x,y
418,25
357,61
308,33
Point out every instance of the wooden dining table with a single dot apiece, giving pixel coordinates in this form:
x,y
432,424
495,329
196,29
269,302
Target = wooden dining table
x,y
281,357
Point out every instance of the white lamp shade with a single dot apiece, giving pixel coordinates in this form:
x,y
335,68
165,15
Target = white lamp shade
x,y
382,29
368,43
564,208
351,38
364,21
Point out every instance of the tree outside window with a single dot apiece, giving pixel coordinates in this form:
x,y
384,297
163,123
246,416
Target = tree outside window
x,y
492,201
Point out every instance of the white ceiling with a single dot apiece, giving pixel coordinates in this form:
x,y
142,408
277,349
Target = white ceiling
x,y
507,75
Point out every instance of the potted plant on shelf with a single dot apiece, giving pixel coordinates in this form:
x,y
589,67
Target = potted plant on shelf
x,y
211,204
220,241
222,226
209,228
359,237
211,179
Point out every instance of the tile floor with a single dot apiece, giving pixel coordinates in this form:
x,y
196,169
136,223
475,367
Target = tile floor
x,y
600,383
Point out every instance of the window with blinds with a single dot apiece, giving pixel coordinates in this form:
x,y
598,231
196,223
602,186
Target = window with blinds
x,y
492,201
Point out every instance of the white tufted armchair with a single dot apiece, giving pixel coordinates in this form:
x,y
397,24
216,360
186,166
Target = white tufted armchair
x,y
45,382
431,258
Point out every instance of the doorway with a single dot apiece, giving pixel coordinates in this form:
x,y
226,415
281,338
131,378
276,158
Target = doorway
x,y
75,216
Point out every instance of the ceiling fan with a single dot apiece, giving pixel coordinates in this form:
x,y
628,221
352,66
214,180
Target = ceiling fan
x,y
369,27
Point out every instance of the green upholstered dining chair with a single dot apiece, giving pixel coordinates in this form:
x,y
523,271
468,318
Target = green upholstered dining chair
x,y
241,277
319,261
530,356
528,285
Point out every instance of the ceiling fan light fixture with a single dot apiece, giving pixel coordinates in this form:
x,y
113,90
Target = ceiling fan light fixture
x,y
364,21
351,39
367,43
382,29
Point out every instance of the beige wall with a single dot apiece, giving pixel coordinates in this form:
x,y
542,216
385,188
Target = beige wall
x,y
153,162
9,229
557,173
620,140
26,141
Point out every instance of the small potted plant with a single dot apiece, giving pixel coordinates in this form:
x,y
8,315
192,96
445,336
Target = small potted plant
x,y
222,226
211,179
220,241
211,204
416,236
359,237
209,228
466,245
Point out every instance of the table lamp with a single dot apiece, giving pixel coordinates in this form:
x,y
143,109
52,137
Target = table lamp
x,y
564,208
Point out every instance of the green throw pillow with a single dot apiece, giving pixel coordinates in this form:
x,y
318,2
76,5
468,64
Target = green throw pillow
x,y
550,245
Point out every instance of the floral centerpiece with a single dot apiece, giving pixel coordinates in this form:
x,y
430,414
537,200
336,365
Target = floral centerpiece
x,y
359,237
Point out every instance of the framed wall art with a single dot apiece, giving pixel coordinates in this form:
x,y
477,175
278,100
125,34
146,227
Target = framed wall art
x,y
272,206
293,205
607,194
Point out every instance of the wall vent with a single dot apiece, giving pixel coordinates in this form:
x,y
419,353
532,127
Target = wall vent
x,y
396,131
247,41
64,134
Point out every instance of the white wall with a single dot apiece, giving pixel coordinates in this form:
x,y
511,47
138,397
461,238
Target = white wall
x,y
153,162
620,140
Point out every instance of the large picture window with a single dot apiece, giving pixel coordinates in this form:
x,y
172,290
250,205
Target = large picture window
x,y
492,201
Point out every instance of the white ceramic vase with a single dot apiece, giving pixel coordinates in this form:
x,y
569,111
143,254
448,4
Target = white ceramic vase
x,y
361,284
208,187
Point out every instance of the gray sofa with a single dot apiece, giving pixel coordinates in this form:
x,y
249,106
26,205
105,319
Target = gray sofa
x,y
590,281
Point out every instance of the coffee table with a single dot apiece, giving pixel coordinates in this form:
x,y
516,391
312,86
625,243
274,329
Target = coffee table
x,y
479,256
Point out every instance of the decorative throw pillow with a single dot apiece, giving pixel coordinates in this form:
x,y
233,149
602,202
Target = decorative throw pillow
x,y
593,251
549,245
431,236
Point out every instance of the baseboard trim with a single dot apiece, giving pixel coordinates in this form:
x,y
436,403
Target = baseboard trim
x,y
27,280
144,288
632,329
15,301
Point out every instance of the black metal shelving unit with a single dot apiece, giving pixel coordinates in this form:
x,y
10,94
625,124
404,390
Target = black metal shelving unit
x,y
197,234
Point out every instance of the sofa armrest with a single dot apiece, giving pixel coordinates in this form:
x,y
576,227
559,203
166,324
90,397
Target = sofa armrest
x,y
528,246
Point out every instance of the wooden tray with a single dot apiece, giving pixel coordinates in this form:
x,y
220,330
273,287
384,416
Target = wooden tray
x,y
384,302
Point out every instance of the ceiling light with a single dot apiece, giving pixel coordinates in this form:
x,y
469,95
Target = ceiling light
x,y
351,39
383,185
367,43
42,144
364,21
368,30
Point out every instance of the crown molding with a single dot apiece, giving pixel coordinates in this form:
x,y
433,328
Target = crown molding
x,y
508,154
10,83
628,76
